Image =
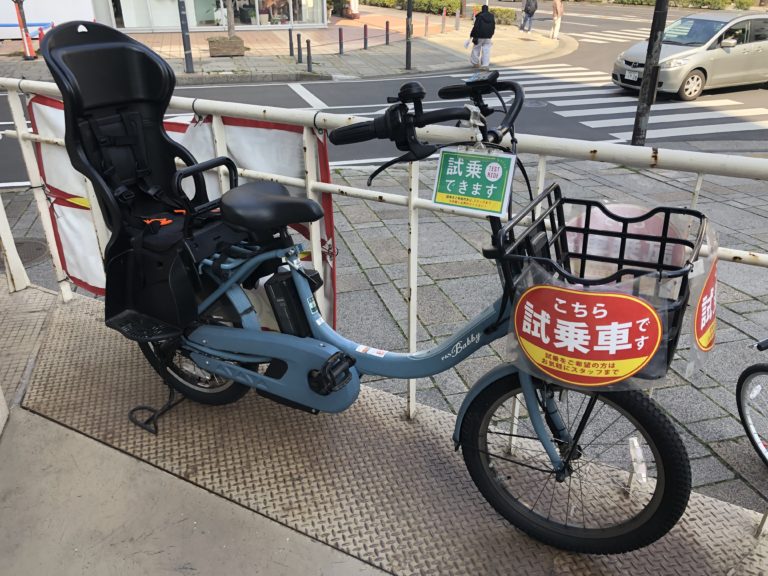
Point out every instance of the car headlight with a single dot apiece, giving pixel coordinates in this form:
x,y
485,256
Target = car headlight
x,y
620,58
674,63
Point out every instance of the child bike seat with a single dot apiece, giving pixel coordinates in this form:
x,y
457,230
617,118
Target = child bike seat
x,y
266,206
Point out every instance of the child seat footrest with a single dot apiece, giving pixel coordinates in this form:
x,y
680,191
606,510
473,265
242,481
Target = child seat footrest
x,y
142,328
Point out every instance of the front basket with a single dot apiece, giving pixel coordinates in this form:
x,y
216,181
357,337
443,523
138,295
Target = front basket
x,y
567,262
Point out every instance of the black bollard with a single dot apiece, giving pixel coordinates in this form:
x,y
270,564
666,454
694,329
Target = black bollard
x,y
298,47
365,36
290,42
309,56
341,41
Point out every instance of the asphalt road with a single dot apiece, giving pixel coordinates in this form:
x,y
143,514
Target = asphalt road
x,y
571,96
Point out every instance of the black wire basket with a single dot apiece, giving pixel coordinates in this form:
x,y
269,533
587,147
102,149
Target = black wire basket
x,y
583,245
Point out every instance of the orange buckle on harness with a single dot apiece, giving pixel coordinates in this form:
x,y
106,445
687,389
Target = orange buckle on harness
x,y
161,221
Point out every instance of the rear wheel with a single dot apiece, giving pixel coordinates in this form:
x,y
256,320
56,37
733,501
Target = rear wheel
x,y
629,478
182,374
692,86
752,400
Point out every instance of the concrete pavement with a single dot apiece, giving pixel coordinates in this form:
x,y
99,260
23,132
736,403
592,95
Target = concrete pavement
x,y
80,507
268,59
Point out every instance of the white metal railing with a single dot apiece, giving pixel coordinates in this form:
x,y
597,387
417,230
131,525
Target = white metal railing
x,y
700,163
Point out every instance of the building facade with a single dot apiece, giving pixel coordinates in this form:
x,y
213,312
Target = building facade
x,y
163,15
139,15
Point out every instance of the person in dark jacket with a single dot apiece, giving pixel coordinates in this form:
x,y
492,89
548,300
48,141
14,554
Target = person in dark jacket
x,y
529,9
481,34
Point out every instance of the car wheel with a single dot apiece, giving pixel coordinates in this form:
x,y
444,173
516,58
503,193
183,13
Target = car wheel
x,y
692,86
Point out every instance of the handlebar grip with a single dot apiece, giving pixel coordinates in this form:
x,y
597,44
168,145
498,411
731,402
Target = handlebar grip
x,y
361,132
762,345
443,116
460,91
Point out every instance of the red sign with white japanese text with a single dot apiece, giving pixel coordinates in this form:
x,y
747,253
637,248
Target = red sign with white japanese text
x,y
706,312
586,338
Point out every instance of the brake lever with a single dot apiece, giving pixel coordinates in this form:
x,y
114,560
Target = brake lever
x,y
407,157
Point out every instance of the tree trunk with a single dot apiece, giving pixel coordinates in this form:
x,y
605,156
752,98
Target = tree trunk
x,y
230,19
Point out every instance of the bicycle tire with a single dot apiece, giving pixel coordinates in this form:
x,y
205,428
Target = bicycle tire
x,y
745,395
179,372
665,506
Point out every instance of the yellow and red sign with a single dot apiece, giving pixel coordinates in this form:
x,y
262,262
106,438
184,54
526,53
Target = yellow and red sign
x,y
705,322
586,338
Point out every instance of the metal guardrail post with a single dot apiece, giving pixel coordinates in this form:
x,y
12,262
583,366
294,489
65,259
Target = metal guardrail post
x,y
386,32
290,42
298,47
457,25
17,275
365,36
309,55
3,411
413,273
315,235
220,147
36,183
341,41
426,25
442,23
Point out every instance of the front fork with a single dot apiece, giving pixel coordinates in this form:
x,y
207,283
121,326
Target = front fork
x,y
553,428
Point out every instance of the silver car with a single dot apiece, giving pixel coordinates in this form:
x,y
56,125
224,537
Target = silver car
x,y
711,49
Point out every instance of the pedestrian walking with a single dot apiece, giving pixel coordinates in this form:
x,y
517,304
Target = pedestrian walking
x,y
529,9
481,34
557,15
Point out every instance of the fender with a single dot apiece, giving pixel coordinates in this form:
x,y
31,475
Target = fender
x,y
485,380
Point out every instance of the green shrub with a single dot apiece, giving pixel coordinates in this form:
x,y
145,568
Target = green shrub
x,y
383,3
435,6
711,4
743,4
504,15
428,6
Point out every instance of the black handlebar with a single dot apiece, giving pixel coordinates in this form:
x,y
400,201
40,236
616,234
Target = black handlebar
x,y
762,345
361,132
399,122
445,115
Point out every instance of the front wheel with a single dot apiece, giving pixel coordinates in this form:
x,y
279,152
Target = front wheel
x,y
628,482
752,400
692,86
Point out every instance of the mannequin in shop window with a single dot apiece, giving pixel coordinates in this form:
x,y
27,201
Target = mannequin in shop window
x,y
220,14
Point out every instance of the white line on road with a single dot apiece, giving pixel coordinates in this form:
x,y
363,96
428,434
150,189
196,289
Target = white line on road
x,y
590,101
13,184
307,96
570,87
743,113
551,76
625,109
603,91
597,79
693,130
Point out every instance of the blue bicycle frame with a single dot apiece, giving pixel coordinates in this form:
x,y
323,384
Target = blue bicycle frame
x,y
226,351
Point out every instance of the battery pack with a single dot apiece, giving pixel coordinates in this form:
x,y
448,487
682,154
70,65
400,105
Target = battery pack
x,y
286,304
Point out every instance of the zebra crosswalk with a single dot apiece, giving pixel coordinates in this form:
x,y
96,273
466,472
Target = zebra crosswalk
x,y
591,99
627,35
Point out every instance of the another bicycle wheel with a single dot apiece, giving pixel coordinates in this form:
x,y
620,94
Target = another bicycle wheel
x,y
752,400
629,482
181,373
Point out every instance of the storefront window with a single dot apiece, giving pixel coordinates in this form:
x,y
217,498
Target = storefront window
x,y
277,11
206,13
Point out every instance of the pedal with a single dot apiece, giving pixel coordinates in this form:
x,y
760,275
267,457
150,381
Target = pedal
x,y
334,374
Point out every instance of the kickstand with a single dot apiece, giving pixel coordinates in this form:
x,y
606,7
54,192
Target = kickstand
x,y
150,424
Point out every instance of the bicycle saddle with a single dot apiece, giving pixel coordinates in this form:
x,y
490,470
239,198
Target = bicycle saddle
x,y
260,206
